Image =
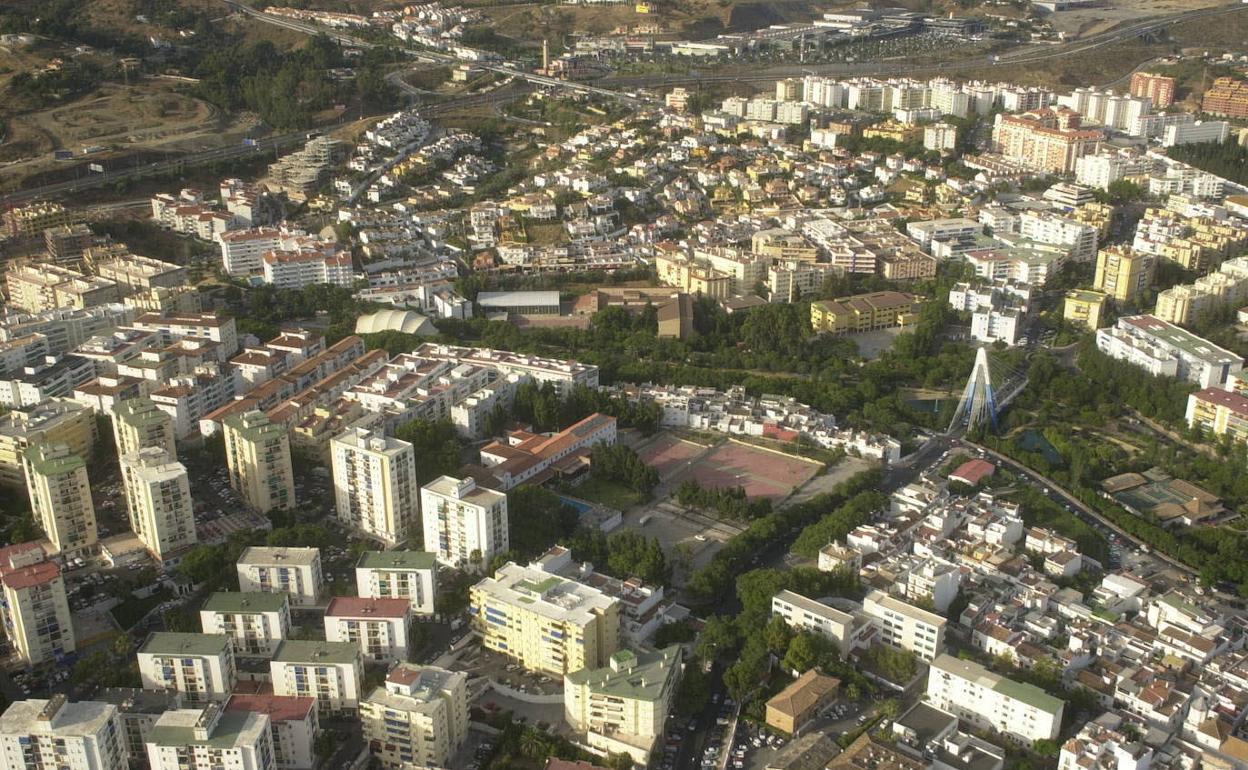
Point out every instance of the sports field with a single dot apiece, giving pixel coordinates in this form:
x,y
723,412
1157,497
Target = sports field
x,y
669,454
761,472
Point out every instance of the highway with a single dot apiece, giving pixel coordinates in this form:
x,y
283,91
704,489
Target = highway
x,y
1027,54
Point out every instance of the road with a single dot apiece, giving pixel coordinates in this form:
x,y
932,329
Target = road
x,y
1025,54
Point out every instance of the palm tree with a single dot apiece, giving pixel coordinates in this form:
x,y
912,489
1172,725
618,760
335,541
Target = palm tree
x,y
533,744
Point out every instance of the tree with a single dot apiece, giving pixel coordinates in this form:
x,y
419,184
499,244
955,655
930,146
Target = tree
x,y
804,652
537,519
1045,748
436,446
719,637
778,635
633,554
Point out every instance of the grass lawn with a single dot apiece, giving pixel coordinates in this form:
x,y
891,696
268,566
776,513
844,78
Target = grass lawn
x,y
132,610
612,494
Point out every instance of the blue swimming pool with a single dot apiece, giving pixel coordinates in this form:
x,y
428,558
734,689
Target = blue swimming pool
x,y
580,505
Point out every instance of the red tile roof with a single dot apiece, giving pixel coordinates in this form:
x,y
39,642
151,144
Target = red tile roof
x,y
280,708
973,471
356,607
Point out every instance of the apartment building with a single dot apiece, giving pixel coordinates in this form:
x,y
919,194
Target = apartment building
x,y
1220,412
933,230
1123,273
34,218
218,329
158,497
545,622
66,328
35,610
330,672
564,375
257,453
417,717
210,738
410,575
1045,139
1161,348
1085,308
375,485
39,286
60,497
905,626
804,614
864,312
56,421
295,269
1186,303
293,725
379,626
200,666
623,706
65,243
55,733
1159,88
1020,712
1047,227
1227,97
139,424
255,622
136,274
292,571
465,526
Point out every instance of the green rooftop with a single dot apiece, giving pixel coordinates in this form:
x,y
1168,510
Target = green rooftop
x,y
53,460
225,734
236,602
297,651
396,560
539,588
254,426
1030,694
631,675
178,643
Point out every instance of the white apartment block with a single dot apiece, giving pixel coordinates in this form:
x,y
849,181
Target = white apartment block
x,y
1020,712
138,423
926,232
418,717
330,672
60,497
35,609
1162,348
803,614
465,525
55,733
255,622
210,738
998,325
905,626
158,496
200,666
564,375
293,725
1047,227
292,571
623,706
381,627
210,327
257,453
375,485
66,328
296,269
410,575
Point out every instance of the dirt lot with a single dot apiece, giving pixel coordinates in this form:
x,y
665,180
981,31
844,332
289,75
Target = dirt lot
x,y
1093,20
